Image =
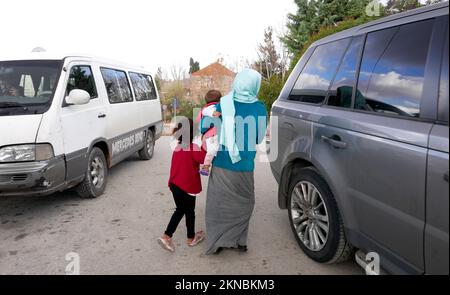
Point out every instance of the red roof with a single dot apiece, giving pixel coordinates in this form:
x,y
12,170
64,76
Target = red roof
x,y
215,69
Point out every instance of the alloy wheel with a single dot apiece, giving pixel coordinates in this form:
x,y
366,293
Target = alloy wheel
x,y
310,216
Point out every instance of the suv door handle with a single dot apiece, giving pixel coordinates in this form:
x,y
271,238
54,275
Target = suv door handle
x,y
101,116
289,125
446,176
334,141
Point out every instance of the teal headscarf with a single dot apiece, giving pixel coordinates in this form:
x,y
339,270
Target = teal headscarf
x,y
246,87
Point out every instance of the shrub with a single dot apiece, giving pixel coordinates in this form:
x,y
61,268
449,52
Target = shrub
x,y
270,90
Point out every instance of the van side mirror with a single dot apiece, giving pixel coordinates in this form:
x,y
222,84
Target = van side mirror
x,y
78,97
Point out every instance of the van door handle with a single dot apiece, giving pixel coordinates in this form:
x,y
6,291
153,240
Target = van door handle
x,y
334,141
446,176
101,116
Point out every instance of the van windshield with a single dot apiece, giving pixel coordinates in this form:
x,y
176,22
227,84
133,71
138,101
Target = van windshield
x,y
27,86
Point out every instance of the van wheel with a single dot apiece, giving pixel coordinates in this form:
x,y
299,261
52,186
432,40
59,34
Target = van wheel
x,y
315,219
94,183
146,153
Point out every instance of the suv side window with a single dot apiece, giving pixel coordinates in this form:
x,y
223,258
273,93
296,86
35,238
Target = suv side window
x,y
143,86
341,92
443,88
81,77
393,70
117,85
313,83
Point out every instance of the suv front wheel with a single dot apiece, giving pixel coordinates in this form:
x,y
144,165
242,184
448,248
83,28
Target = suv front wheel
x,y
315,218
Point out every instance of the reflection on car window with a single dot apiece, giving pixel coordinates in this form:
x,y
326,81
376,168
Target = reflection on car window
x,y
117,86
143,86
342,90
28,82
81,78
443,91
393,68
313,83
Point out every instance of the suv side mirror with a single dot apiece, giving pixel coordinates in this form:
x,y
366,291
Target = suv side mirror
x,y
78,97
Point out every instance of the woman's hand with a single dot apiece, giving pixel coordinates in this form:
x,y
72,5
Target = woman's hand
x,y
217,114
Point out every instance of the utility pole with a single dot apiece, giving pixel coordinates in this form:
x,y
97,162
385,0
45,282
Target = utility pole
x,y
175,106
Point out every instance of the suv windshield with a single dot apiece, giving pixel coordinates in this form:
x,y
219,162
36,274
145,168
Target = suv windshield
x,y
27,86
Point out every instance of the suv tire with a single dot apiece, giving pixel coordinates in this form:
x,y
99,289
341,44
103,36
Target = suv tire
x,y
308,221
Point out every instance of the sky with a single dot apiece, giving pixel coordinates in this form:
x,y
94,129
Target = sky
x,y
147,33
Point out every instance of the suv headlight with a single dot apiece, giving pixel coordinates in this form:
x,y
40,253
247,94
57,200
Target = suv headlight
x,y
26,153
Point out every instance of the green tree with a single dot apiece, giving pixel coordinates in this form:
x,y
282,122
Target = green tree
x,y
314,14
396,6
331,12
357,9
301,25
194,66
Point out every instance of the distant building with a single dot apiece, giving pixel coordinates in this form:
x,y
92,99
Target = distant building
x,y
215,76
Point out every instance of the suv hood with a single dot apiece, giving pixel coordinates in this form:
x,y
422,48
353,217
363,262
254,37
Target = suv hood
x,y
19,129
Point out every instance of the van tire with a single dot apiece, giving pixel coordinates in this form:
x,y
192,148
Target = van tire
x,y
96,163
146,153
336,249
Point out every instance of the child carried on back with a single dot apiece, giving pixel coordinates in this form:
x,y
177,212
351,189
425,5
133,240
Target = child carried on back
x,y
210,136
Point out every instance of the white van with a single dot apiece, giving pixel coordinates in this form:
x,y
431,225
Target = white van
x,y
65,120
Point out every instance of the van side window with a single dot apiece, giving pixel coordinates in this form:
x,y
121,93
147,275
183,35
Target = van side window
x,y
117,85
81,78
313,83
143,86
341,91
443,89
393,69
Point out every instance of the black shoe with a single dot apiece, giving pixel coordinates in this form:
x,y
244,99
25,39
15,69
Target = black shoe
x,y
242,248
218,251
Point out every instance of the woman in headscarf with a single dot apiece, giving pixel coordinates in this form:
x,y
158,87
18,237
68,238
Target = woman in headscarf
x,y
231,192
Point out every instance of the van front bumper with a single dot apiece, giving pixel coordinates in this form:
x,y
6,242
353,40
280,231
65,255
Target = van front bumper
x,y
32,178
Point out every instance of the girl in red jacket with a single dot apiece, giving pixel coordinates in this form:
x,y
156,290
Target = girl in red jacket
x,y
185,185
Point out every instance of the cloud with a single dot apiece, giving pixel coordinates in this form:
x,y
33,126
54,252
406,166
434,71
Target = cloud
x,y
309,81
396,85
402,91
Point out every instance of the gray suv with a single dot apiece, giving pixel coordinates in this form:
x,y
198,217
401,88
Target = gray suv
x,y
363,144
